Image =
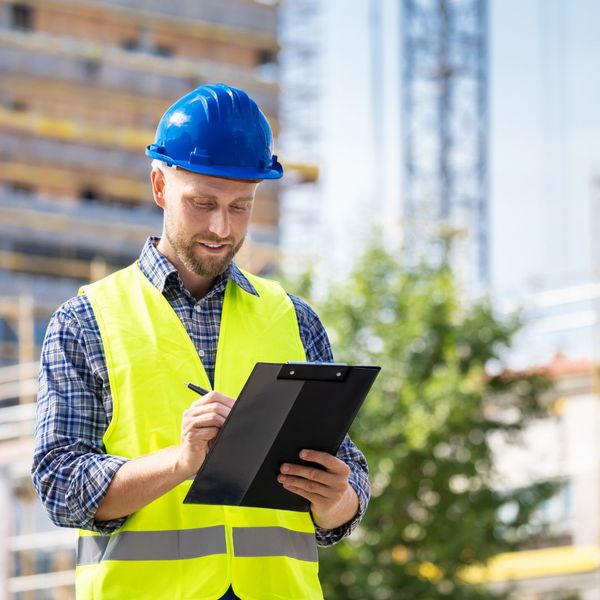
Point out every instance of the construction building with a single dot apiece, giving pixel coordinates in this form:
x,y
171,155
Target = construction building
x,y
82,87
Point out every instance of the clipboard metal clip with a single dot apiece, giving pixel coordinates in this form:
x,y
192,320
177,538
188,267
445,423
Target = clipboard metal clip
x,y
305,371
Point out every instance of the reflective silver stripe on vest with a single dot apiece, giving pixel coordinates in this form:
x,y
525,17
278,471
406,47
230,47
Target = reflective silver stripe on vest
x,y
152,545
274,541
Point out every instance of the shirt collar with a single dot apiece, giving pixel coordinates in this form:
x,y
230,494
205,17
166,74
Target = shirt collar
x,y
159,271
242,281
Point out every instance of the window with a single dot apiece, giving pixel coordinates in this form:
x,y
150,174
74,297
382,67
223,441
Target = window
x,y
89,194
91,67
266,56
21,16
21,188
266,64
18,105
130,45
163,51
7,333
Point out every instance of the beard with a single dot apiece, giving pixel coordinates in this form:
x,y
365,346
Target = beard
x,y
203,265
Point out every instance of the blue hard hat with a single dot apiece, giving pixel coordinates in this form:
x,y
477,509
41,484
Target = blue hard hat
x,y
217,130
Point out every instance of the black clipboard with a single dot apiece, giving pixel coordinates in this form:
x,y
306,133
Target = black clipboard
x,y
282,409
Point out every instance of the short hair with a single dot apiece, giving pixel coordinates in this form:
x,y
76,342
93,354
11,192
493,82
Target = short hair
x,y
158,164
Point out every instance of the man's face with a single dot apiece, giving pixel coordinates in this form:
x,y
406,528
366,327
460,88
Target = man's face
x,y
205,218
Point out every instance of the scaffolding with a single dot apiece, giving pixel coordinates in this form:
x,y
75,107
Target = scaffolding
x,y
27,539
301,126
445,128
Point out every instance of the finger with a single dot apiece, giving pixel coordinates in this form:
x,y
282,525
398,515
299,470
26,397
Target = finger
x,y
341,472
213,407
309,486
329,461
213,421
214,397
309,473
208,420
312,497
205,434
330,488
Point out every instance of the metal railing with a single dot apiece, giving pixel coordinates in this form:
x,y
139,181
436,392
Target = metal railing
x,y
16,421
109,230
42,581
256,17
17,381
75,150
122,221
47,292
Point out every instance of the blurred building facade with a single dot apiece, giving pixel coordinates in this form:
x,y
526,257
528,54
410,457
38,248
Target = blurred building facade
x,y
561,329
563,562
82,87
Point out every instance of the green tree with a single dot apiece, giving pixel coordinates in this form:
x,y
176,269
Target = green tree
x,y
426,430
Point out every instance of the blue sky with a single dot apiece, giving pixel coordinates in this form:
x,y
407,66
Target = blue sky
x,y
544,134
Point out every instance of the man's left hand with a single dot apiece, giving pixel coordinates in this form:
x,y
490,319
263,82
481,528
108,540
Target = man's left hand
x,y
333,501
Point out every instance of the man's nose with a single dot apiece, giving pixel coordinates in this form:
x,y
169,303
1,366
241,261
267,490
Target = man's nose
x,y
219,222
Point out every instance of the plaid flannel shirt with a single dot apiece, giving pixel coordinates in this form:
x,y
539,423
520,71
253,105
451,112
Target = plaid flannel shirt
x,y
71,470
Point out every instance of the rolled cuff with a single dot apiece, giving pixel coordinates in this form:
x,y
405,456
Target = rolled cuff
x,y
329,537
86,492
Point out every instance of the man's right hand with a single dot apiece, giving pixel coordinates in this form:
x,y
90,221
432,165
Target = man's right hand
x,y
142,480
199,427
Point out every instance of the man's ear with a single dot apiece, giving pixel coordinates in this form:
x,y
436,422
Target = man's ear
x,y
157,177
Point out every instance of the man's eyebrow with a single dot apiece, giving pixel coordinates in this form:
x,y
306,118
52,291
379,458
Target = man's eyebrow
x,y
199,195
214,198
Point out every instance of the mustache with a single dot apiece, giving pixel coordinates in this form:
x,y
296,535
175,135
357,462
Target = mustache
x,y
211,239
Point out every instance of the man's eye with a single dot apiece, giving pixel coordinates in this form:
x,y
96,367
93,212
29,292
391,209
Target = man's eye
x,y
240,207
203,205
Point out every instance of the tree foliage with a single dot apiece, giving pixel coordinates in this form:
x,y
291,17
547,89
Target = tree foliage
x,y
426,429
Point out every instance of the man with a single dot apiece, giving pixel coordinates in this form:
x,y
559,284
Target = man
x,y
119,437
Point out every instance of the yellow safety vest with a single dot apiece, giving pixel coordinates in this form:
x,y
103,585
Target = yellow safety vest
x,y
170,550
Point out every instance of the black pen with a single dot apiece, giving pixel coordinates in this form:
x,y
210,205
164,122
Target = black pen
x,y
196,388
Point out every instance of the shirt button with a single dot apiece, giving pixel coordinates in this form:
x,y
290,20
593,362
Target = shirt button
x,y
197,307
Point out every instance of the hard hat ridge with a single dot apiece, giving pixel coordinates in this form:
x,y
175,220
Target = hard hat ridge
x,y
225,99
217,130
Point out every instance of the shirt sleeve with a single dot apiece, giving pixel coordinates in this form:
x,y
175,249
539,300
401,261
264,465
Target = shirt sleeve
x,y
71,471
318,349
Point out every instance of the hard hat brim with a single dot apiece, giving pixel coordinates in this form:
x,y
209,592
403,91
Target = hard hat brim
x,y
228,172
